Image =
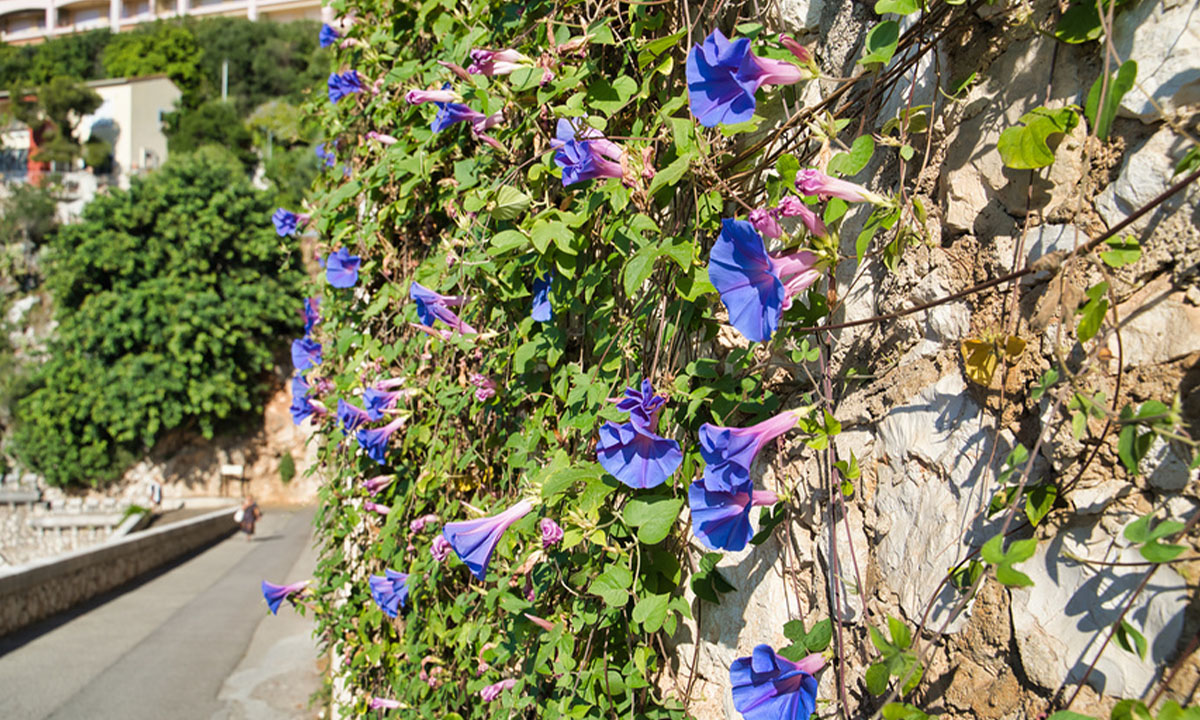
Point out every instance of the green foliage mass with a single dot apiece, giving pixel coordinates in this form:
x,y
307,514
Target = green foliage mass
x,y
53,113
76,56
161,47
212,123
170,299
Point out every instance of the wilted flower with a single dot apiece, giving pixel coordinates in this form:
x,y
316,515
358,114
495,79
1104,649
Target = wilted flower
x,y
433,306
419,524
276,594
475,540
375,441
303,406
766,221
286,222
485,387
815,182
632,452
341,85
586,154
791,206
552,534
378,483
769,687
729,452
757,287
341,269
382,138
390,591
445,95
543,311
723,75
721,520
306,353
491,692
376,507
440,548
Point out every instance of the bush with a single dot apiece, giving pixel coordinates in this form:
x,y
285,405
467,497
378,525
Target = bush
x,y
169,299
287,468
213,123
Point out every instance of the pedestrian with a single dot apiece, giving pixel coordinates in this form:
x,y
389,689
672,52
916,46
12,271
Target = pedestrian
x,y
250,515
156,494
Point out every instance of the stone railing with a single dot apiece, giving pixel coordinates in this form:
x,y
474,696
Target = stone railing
x,y
40,589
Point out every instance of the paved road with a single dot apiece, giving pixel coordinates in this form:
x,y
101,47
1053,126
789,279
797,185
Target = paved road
x,y
195,641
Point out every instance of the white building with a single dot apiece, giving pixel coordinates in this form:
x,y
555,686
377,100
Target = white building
x,y
32,21
130,118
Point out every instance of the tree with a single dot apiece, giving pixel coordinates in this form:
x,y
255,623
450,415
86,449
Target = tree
x,y
170,299
53,113
76,56
212,123
159,47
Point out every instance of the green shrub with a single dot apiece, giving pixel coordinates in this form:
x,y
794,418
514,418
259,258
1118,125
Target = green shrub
x,y
287,467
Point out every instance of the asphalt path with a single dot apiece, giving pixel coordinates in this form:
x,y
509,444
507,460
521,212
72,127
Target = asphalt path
x,y
192,641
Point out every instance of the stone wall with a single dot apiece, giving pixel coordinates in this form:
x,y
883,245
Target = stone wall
x,y
32,592
930,442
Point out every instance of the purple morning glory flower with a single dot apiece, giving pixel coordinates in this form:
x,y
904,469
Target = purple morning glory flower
x,y
497,62
312,313
328,35
766,221
721,520
475,540
451,113
815,182
378,483
723,75
585,155
792,206
729,452
306,353
341,269
375,440
328,158
302,406
756,287
390,591
376,507
276,594
433,306
767,686
378,703
440,548
632,452
552,534
445,95
352,417
543,311
344,84
286,222
379,401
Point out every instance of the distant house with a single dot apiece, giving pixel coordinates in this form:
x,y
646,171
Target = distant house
x,y
32,21
130,119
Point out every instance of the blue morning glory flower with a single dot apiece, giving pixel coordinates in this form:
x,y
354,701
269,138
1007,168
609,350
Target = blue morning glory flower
x,y
767,686
287,222
341,269
450,113
475,540
328,35
312,313
585,155
723,75
543,311
352,417
306,353
341,85
328,158
276,594
390,591
301,407
433,306
643,407
375,441
721,520
378,401
729,452
632,452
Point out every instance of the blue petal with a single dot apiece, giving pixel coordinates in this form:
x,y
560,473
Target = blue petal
x,y
720,520
727,456
341,270
543,311
717,92
741,271
306,354
767,687
638,459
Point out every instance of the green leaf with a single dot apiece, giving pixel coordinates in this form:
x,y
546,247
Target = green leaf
x,y
1130,710
525,78
653,49
1038,502
544,233
1157,552
1189,162
794,630
903,711
613,585
608,97
1026,147
877,679
881,43
652,516
1079,24
852,163
901,635
1130,640
1012,578
510,203
671,174
1069,715
1101,118
506,241
1124,251
639,268
1092,314
651,611
899,7
819,636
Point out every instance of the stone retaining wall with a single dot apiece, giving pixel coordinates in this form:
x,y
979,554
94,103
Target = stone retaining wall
x,y
38,590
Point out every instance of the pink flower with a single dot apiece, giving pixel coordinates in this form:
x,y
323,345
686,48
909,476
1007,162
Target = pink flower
x,y
416,97
419,524
375,507
491,692
540,622
497,62
552,534
378,483
802,54
791,206
378,703
815,182
440,549
765,222
485,387
382,138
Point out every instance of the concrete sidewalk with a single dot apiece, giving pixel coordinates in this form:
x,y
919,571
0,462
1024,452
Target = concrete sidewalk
x,y
194,641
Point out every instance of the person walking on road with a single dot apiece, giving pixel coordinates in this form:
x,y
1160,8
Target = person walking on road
x,y
250,515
